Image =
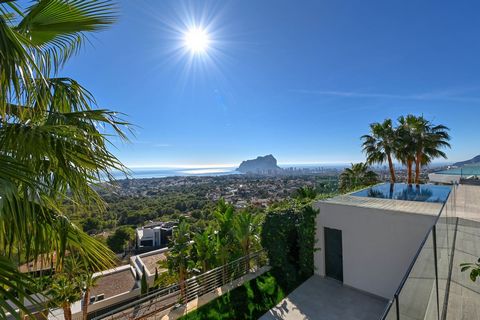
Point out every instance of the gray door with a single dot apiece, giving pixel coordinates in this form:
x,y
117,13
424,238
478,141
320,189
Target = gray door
x,y
333,254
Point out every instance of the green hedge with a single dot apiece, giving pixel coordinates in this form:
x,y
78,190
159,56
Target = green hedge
x,y
288,236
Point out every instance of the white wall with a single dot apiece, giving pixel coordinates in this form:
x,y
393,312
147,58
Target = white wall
x,y
137,263
378,245
147,234
113,300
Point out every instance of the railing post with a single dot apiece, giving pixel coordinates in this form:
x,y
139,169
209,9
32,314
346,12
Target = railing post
x,y
450,267
397,307
434,234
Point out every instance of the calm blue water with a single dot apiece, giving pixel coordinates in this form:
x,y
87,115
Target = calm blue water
x,y
159,172
143,173
403,191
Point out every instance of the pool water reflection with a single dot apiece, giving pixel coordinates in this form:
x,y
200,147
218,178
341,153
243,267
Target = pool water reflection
x,y
403,191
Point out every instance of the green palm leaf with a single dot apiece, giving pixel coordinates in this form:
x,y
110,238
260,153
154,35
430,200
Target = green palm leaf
x,y
358,175
379,146
58,26
11,278
53,145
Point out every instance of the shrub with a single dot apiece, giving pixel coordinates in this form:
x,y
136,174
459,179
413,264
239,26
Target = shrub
x,y
120,238
249,301
288,236
144,283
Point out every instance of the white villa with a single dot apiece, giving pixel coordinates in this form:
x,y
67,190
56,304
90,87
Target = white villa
x,y
118,286
154,235
381,257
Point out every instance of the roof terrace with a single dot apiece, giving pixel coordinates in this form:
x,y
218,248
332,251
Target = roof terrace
x,y
395,259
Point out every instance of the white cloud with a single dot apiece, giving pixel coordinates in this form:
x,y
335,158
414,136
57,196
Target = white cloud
x,y
447,95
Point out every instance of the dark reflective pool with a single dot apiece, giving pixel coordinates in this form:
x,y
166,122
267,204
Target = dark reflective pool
x,y
403,191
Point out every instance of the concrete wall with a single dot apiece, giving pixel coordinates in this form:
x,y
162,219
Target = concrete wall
x,y
378,245
114,300
137,263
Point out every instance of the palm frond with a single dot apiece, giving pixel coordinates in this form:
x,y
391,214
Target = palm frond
x,y
358,175
58,26
18,64
11,278
53,140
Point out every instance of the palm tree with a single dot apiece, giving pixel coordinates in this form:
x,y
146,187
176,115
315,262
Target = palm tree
x,y
358,175
66,286
64,291
224,219
204,245
51,146
379,145
246,231
306,193
405,148
226,244
88,282
179,256
429,139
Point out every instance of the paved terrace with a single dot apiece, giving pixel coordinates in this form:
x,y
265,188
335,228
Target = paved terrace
x,y
320,298
464,295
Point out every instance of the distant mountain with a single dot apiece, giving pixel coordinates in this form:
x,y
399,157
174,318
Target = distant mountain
x,y
262,165
474,160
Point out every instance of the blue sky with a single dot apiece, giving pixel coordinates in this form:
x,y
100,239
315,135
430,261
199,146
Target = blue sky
x,y
299,80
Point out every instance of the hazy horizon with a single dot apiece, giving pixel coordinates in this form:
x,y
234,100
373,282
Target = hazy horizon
x,y
234,165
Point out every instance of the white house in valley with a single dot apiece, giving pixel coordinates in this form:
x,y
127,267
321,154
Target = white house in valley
x,y
154,235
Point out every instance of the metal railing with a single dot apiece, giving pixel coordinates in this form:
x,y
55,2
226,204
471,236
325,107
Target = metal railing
x,y
470,174
423,291
181,293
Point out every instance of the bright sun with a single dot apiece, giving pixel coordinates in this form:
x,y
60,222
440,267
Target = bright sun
x,y
196,40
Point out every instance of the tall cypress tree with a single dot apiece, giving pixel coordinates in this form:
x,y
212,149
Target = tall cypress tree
x,y
143,282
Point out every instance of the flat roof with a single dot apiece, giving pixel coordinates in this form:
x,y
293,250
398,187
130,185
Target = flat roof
x,y
42,263
150,262
114,283
153,224
428,208
323,298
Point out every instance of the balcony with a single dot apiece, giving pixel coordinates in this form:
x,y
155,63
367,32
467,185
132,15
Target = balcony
x,y
401,260
434,287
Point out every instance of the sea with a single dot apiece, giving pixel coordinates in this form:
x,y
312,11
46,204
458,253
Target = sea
x,y
162,172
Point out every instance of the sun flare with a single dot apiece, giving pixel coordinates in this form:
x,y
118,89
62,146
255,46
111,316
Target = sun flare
x,y
196,40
